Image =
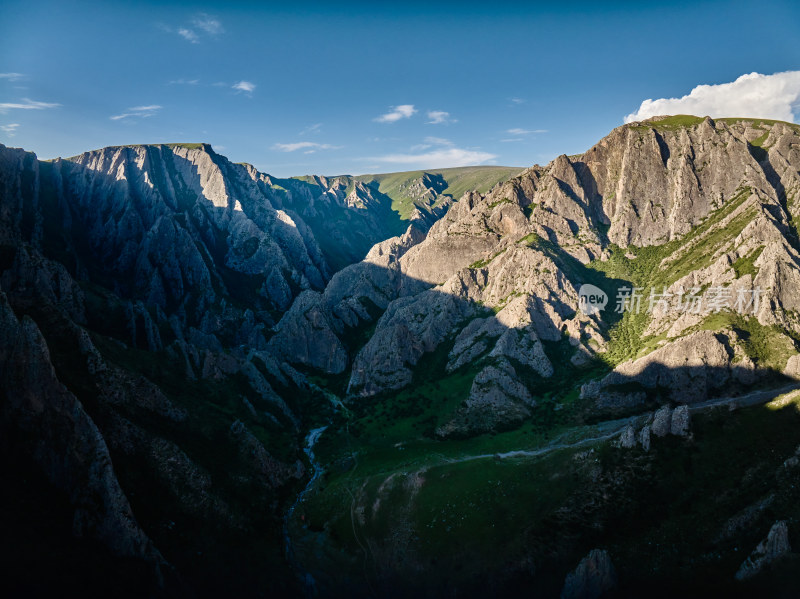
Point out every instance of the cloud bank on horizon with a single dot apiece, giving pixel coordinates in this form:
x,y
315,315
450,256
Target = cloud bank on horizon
x,y
753,95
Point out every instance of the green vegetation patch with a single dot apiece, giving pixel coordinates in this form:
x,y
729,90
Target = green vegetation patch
x,y
746,264
671,123
768,346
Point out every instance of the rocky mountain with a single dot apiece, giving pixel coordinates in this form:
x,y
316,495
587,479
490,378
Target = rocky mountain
x,y
176,324
351,214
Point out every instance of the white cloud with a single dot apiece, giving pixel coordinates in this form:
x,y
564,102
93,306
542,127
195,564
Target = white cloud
x,y
209,24
244,86
26,104
440,117
446,155
184,82
754,95
396,113
309,146
10,129
137,112
518,131
189,35
517,100
12,76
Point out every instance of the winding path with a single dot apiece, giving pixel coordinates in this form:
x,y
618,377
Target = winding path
x,y
611,428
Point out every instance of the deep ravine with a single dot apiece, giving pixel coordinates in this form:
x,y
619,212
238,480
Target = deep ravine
x,y
306,579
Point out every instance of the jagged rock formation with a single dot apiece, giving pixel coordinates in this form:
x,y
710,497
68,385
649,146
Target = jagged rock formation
x,y
664,421
774,546
594,576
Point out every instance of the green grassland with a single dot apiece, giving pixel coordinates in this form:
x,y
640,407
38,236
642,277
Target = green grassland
x,y
662,515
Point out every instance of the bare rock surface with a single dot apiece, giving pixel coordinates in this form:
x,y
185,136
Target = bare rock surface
x,y
594,576
775,545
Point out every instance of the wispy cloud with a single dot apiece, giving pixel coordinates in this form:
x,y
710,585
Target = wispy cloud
x,y
753,95
202,25
244,86
443,154
315,128
309,146
430,142
26,104
184,82
189,35
211,25
440,117
517,101
403,111
518,131
137,112
10,129
12,76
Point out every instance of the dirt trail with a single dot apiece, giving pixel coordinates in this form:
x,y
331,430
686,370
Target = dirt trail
x,y
611,428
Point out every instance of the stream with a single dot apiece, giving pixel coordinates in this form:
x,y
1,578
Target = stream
x,y
306,579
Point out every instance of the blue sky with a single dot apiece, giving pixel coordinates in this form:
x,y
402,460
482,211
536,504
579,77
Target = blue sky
x,y
357,88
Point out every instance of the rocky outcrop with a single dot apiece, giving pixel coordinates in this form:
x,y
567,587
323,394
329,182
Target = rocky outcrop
x,y
594,576
664,421
409,328
680,421
689,369
311,331
497,400
533,301
793,367
774,546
